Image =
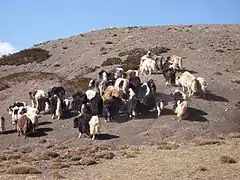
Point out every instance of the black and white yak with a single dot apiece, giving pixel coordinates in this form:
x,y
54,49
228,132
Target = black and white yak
x,y
59,91
147,102
56,107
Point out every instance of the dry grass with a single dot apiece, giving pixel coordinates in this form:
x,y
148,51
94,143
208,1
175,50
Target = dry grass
x,y
3,157
25,56
76,84
57,175
87,162
56,65
235,81
202,142
12,79
130,153
201,168
103,52
47,155
59,165
167,146
23,169
25,150
90,69
158,50
14,156
76,158
234,135
3,86
28,157
112,61
104,155
227,160
134,56
190,162
108,42
219,50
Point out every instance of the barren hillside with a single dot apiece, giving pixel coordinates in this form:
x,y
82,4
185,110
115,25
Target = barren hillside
x,y
209,51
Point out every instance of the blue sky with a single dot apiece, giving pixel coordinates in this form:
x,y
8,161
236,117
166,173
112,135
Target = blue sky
x,y
28,22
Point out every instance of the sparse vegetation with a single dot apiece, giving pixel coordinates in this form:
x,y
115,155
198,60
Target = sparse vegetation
x,y
59,165
103,52
133,59
105,155
65,47
58,175
51,154
25,56
158,50
202,142
102,48
3,86
201,168
76,84
130,153
56,65
218,73
120,54
227,160
76,158
23,169
90,69
108,42
3,157
219,50
167,146
87,162
7,81
235,81
14,156
235,135
112,61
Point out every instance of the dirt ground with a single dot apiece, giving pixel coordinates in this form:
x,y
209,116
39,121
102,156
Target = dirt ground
x,y
209,51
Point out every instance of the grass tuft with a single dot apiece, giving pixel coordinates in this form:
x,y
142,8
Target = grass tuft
x,y
227,160
87,162
23,169
202,142
25,56
76,84
112,61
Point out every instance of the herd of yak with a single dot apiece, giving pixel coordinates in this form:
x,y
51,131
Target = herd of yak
x,y
113,93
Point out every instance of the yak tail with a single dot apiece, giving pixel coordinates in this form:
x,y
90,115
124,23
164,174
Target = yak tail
x,y
180,63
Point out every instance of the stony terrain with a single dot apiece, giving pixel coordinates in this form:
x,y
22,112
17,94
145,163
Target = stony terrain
x,y
209,51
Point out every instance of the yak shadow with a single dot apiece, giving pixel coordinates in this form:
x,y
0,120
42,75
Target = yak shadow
x,y
148,115
9,131
44,123
165,97
197,115
183,70
40,132
68,115
106,136
120,118
166,112
213,97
